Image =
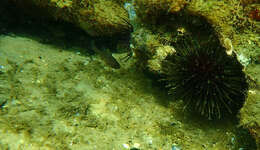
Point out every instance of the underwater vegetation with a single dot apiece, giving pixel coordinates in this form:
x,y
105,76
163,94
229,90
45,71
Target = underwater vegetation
x,y
205,78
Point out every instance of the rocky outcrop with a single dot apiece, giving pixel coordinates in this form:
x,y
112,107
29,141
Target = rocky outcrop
x,y
97,18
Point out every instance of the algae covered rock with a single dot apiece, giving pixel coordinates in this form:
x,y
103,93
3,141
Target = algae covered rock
x,y
97,18
211,24
250,115
234,24
151,10
226,20
106,17
161,53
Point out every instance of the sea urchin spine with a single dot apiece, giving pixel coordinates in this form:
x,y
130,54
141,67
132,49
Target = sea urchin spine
x,y
205,78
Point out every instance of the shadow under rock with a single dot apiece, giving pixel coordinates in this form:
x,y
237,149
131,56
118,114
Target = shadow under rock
x,y
14,21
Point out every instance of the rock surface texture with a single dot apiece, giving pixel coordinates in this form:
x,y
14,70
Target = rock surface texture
x,y
97,18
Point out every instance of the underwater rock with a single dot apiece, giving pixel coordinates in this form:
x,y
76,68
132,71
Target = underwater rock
x,y
150,11
250,115
161,53
233,24
97,18
211,23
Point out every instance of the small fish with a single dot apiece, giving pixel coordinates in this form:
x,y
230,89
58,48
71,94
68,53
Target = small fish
x,y
106,56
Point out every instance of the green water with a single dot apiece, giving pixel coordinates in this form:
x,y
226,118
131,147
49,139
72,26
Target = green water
x,y
57,94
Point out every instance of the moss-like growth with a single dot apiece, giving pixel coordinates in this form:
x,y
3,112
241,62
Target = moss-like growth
x,y
97,18
250,113
152,11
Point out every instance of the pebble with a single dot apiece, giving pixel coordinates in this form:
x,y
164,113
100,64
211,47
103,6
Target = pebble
x,y
233,140
150,142
175,147
126,146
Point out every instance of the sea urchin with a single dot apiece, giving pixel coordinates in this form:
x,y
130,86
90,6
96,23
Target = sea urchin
x,y
205,78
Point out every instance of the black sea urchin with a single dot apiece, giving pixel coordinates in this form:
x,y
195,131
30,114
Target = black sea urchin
x,y
205,78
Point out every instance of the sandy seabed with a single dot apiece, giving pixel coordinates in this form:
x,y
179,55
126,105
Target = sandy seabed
x,y
56,98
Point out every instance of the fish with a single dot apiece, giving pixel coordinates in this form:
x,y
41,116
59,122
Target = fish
x,y
106,56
